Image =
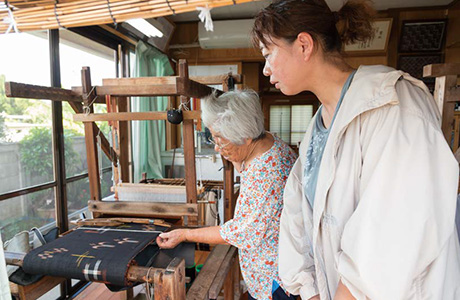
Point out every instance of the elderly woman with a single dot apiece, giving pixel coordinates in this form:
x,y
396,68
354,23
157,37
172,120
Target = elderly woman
x,y
235,120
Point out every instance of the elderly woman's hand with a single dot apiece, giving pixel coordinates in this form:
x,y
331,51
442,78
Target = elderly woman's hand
x,y
168,240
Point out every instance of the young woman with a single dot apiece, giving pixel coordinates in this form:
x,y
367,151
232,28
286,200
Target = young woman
x,y
369,205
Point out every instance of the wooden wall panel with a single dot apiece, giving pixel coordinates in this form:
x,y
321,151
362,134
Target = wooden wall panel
x,y
251,73
356,61
453,36
187,34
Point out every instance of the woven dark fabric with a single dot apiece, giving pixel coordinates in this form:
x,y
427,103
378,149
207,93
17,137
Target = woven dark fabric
x,y
96,253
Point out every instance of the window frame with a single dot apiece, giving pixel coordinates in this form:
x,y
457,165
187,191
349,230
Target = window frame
x,y
277,98
122,66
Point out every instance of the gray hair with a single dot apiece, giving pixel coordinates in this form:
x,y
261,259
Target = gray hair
x,y
236,115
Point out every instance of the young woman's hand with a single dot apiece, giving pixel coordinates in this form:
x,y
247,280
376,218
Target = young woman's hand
x,y
168,240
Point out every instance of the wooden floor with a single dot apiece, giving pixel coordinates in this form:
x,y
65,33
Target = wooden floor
x,y
100,292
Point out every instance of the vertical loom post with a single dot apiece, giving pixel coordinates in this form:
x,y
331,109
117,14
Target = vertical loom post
x,y
90,138
189,145
229,205
123,136
170,283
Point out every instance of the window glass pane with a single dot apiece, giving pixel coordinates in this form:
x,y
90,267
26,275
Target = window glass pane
x,y
106,184
24,212
77,195
301,117
76,52
25,124
280,116
132,62
78,192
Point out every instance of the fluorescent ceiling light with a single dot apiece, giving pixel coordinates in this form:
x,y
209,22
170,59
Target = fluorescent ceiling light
x,y
145,27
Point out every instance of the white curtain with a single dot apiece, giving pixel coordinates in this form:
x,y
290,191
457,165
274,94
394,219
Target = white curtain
x,y
4,284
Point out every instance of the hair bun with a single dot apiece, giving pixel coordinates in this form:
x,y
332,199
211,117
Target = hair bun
x,y
355,21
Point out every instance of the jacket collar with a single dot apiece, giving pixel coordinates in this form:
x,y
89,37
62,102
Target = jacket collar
x,y
372,87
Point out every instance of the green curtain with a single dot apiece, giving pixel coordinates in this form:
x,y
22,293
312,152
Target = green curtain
x,y
149,137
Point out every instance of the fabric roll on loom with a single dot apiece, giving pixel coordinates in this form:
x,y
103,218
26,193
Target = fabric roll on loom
x,y
94,253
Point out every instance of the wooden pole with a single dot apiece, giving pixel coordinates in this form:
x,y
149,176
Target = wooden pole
x,y
189,145
229,201
122,104
90,139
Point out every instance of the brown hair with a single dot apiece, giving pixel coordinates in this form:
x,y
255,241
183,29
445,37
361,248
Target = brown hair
x,y
285,19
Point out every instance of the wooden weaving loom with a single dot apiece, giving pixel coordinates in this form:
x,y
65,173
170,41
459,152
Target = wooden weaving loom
x,y
222,259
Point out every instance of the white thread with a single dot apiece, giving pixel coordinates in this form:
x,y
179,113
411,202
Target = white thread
x,y
86,108
149,286
98,140
205,17
11,21
183,105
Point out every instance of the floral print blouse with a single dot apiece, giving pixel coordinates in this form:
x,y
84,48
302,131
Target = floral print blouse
x,y
255,226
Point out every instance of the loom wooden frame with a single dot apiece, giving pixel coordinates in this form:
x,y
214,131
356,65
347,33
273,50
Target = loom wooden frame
x,y
182,86
168,281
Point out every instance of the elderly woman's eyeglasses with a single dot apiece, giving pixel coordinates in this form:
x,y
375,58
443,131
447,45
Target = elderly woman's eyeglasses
x,y
218,145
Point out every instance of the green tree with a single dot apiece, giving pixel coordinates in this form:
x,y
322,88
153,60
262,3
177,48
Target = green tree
x,y
36,151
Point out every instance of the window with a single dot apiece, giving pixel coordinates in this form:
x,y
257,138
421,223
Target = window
x,y
77,52
26,155
27,183
289,122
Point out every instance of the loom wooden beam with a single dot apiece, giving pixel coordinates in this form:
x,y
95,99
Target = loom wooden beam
x,y
105,145
141,90
35,290
222,273
162,80
143,209
436,70
446,81
134,273
207,80
151,87
133,116
446,93
29,91
190,88
217,79
201,285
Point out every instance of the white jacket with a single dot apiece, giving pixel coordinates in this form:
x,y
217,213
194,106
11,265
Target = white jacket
x,y
383,217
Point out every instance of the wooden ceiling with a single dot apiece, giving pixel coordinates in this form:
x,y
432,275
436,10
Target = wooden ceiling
x,y
29,15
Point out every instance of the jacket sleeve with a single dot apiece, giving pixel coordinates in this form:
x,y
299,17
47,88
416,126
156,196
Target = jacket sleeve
x,y
296,265
405,214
